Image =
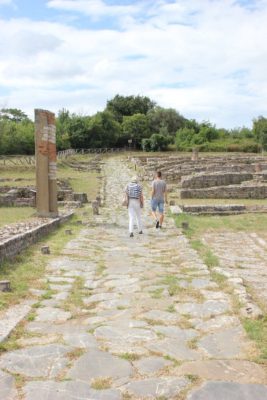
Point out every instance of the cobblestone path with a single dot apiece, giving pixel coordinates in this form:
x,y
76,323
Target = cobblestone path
x,y
146,320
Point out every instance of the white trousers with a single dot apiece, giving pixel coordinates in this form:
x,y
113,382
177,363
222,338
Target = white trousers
x,y
134,211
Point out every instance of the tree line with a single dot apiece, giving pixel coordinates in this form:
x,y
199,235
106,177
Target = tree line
x,y
131,121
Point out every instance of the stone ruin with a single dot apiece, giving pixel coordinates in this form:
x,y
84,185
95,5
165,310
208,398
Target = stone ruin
x,y
25,196
223,186
176,167
17,196
231,176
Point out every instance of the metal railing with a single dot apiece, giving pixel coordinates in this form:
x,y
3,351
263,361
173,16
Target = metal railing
x,y
30,159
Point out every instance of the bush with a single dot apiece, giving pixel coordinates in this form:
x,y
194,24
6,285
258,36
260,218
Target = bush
x,y
156,142
146,145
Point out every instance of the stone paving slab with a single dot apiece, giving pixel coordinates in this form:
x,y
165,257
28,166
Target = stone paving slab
x,y
51,314
227,343
240,371
150,365
205,310
156,387
229,391
12,317
7,387
131,335
174,348
99,364
37,361
67,391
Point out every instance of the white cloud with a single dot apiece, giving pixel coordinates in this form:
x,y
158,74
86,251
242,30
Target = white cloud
x,y
208,59
5,2
93,8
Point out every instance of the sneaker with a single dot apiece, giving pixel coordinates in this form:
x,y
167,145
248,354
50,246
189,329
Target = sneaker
x,y
131,234
157,224
140,233
160,226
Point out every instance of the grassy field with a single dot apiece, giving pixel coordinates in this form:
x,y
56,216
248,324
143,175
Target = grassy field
x,y
80,181
243,222
9,215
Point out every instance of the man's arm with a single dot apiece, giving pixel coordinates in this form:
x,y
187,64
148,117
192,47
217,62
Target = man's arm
x,y
153,190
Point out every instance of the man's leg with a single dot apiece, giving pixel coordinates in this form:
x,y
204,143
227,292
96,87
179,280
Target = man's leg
x,y
161,212
153,210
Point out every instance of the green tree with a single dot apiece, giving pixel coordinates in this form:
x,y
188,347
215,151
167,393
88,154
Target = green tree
x,y
13,114
184,136
104,130
16,138
260,131
121,106
169,118
62,134
79,135
135,127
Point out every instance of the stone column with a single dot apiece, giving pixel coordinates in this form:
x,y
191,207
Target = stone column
x,y
45,154
194,156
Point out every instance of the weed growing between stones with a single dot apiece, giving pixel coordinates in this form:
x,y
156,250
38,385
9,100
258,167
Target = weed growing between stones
x,y
171,308
192,344
129,356
12,341
75,299
101,383
257,331
157,293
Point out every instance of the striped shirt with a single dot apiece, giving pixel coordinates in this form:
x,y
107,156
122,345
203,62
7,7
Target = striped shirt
x,y
134,190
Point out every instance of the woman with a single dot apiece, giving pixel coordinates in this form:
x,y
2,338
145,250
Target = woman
x,y
135,201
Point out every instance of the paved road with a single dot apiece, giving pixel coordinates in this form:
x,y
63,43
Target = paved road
x,y
146,320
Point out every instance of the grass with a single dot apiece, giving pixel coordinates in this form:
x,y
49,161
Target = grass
x,y
257,331
10,215
130,356
171,308
74,300
101,383
157,293
198,225
80,181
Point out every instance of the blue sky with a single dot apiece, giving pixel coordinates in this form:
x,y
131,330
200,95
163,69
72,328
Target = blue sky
x,y
205,58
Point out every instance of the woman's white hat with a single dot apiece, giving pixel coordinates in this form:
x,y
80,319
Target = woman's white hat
x,y
134,179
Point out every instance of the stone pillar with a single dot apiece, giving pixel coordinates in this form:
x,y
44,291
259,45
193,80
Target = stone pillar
x,y
45,155
194,156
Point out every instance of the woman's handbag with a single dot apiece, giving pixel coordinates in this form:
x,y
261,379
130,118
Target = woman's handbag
x,y
125,201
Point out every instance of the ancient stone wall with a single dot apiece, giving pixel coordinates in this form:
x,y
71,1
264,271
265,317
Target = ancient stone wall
x,y
227,192
199,181
14,245
174,168
224,209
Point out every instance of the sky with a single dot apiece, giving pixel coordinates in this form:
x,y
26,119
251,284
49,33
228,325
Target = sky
x,y
205,58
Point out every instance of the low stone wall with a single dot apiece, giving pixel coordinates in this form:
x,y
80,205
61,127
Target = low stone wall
x,y
14,245
198,181
226,192
224,209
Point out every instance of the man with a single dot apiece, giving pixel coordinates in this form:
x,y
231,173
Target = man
x,y
158,197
